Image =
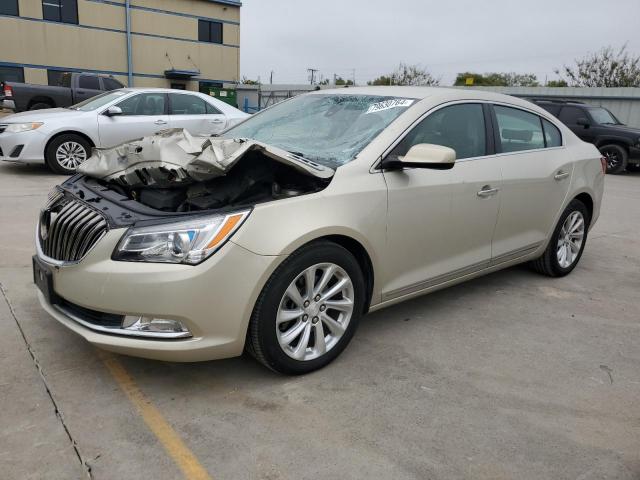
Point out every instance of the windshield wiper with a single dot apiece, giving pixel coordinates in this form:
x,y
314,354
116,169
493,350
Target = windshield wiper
x,y
297,154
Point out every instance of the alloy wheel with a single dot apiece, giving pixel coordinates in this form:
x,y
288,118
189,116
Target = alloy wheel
x,y
570,239
315,311
70,155
613,159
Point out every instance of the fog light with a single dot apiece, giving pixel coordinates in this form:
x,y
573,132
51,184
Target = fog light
x,y
155,326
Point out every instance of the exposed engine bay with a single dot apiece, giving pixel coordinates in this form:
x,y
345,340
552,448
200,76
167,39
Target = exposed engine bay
x,y
176,172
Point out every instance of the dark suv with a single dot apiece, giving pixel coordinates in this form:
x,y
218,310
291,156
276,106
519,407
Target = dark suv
x,y
617,142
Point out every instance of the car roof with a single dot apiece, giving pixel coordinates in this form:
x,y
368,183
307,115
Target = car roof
x,y
155,89
559,102
396,91
433,94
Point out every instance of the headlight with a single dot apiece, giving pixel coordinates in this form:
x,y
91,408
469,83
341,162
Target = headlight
x,y
189,241
22,127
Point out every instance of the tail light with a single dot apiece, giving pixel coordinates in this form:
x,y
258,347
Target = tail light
x,y
8,91
603,162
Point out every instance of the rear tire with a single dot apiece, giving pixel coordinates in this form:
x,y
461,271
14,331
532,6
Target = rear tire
x,y
39,106
617,158
564,251
65,153
289,318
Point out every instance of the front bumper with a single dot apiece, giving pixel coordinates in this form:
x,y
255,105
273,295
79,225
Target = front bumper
x,y
214,299
28,145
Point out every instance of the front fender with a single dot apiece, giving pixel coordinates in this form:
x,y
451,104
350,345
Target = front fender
x,y
64,129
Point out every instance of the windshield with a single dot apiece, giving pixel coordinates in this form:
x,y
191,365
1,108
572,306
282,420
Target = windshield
x,y
328,129
94,103
603,116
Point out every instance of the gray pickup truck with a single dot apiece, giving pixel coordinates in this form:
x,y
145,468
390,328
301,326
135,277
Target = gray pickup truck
x,y
72,88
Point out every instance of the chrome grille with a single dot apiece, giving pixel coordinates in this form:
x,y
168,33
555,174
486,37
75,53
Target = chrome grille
x,y
68,228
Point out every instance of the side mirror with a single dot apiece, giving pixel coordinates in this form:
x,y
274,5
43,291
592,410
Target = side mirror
x,y
424,155
583,122
113,111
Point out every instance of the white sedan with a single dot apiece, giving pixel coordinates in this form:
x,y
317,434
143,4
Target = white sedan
x,y
63,137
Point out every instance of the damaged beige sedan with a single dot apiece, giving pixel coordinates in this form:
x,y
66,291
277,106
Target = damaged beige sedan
x,y
277,236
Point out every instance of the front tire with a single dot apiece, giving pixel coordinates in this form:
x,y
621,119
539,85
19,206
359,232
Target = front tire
x,y
567,242
308,311
617,158
65,153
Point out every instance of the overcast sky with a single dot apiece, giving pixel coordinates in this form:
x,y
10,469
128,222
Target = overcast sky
x,y
445,36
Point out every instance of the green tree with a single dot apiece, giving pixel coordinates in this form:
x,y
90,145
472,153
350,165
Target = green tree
x,y
557,83
342,81
605,68
248,81
406,74
495,79
381,80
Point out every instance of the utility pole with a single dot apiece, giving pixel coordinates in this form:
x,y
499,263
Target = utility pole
x,y
312,71
354,77
335,77
127,7
271,78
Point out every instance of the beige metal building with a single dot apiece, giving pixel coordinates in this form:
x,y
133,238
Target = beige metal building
x,y
192,44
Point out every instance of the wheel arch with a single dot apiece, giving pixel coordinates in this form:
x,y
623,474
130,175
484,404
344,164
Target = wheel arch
x,y
353,246
362,257
41,99
68,132
620,141
587,200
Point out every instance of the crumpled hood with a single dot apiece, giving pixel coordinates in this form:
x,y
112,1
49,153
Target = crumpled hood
x,y
174,156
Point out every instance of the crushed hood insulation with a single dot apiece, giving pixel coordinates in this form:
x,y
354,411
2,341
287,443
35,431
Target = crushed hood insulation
x,y
174,157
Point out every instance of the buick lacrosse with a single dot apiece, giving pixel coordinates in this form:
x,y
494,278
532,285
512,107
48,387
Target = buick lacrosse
x,y
277,236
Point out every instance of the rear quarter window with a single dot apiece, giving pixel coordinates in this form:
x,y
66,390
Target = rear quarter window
x,y
552,136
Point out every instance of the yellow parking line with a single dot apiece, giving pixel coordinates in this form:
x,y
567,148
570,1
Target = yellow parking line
x,y
167,436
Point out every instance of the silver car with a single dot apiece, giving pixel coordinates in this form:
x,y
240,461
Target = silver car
x,y
278,236
63,137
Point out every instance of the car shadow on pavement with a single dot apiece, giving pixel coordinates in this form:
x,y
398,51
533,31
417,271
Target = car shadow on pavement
x,y
234,373
30,169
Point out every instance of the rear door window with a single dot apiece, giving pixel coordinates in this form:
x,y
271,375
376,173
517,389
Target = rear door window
x,y
89,82
553,109
111,84
570,115
518,130
185,104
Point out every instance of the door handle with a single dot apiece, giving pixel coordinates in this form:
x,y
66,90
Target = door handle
x,y
160,122
561,175
487,191
216,120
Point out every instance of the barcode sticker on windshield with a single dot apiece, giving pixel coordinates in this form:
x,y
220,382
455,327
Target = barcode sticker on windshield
x,y
387,104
